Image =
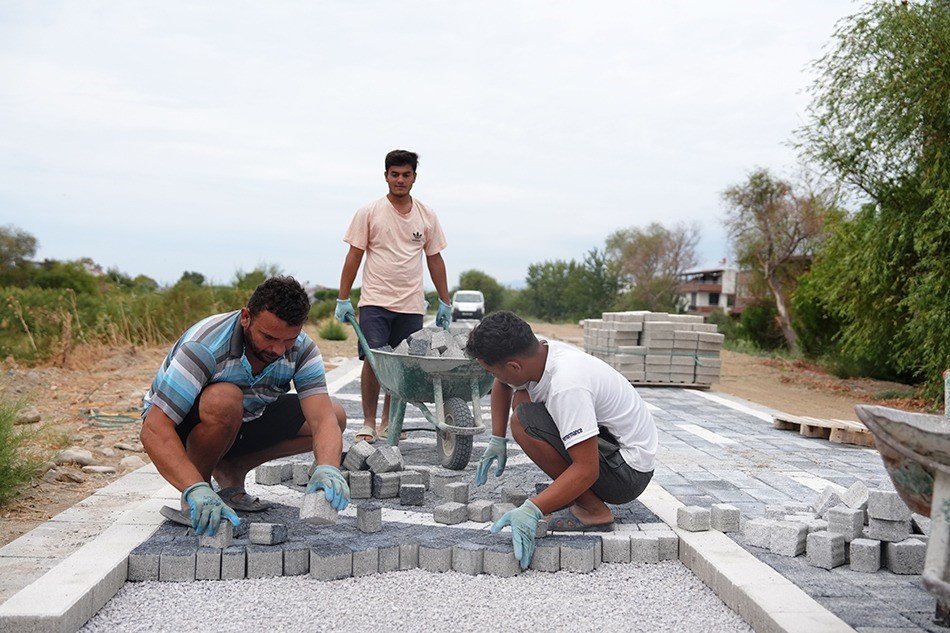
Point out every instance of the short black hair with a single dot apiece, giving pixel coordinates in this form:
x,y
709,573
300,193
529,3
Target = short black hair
x,y
282,296
400,157
499,337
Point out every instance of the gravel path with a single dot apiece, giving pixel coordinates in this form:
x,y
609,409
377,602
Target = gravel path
x,y
623,597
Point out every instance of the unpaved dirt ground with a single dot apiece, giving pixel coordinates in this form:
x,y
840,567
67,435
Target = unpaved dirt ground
x,y
79,404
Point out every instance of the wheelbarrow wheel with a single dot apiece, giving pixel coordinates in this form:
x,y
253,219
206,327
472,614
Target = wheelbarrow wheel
x,y
455,450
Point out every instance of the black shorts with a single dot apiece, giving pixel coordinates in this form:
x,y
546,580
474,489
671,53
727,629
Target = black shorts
x,y
385,327
280,421
618,482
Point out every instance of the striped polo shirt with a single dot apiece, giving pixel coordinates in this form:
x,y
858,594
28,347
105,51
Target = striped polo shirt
x,y
212,350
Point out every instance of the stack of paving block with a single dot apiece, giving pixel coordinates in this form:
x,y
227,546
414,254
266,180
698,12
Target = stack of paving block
x,y
433,343
656,347
867,529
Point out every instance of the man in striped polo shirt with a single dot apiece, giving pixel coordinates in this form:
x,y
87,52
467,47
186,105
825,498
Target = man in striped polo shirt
x,y
219,406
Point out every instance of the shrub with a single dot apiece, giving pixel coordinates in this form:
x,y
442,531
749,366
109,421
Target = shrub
x,y
332,331
17,464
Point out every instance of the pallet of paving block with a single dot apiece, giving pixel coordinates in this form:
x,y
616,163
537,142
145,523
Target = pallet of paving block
x,y
833,430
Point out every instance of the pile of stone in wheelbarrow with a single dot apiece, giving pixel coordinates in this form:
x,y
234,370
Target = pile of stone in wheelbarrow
x,y
433,343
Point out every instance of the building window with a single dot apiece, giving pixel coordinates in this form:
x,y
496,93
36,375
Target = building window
x,y
714,298
730,301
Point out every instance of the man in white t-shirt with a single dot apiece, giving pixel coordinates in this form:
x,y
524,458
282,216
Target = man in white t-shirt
x,y
395,233
574,416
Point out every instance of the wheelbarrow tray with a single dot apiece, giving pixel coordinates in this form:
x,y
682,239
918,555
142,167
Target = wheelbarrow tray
x,y
412,377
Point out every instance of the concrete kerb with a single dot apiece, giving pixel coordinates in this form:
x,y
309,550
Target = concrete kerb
x,y
765,599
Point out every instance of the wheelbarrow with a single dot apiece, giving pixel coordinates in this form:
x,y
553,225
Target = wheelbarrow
x,y
915,448
451,384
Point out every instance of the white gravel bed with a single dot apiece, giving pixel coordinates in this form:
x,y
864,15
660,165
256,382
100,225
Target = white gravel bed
x,y
616,597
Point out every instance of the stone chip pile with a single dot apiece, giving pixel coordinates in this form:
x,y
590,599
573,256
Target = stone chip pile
x,y
432,342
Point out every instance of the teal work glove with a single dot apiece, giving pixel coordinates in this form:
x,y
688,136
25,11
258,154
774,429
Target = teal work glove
x,y
207,508
344,310
524,525
334,486
443,316
497,449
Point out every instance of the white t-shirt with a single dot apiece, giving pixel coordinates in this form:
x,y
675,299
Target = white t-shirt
x,y
393,244
582,393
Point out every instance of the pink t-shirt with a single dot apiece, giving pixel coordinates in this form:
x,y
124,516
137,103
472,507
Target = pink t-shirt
x,y
394,244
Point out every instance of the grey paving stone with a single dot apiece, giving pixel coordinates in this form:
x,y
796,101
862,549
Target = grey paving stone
x,y
177,563
357,455
499,560
316,510
408,556
143,562
616,547
724,517
825,549
234,562
787,538
411,478
547,556
301,473
264,561
386,485
645,547
865,555
467,558
221,539
905,557
208,563
412,494
267,533
887,504
668,545
451,513
920,524
331,562
480,510
439,479
386,459
693,518
361,484
435,556
578,555
369,517
856,496
498,509
365,561
846,521
388,558
296,558
828,499
457,492
887,530
514,496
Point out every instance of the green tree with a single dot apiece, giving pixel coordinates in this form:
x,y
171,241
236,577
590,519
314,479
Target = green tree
x,y
16,248
879,121
55,275
477,280
652,260
559,290
191,277
773,229
251,280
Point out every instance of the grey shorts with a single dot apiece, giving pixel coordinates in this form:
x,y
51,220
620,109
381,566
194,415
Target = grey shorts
x,y
618,481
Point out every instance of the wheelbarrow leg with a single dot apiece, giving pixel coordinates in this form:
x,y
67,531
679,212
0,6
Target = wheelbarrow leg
x,y
397,411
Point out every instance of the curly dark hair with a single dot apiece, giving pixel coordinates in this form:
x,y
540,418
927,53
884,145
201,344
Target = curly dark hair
x,y
400,157
282,296
499,337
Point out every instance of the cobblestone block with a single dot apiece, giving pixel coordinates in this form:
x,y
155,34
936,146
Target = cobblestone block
x,y
457,492
905,557
498,509
296,558
221,539
724,517
644,547
885,530
411,478
408,556
369,517
856,497
578,554
825,549
693,518
920,524
775,511
480,510
267,533
386,459
234,563
513,496
541,486
316,510
547,556
865,555
451,513
357,455
301,473
467,558
269,474
331,562
208,563
668,544
758,532
422,471
264,561
388,558
813,523
828,499
499,560
788,539
846,521
177,563
143,562
797,507
435,556
440,479
616,547
385,485
411,494
887,505
361,484
541,530
365,561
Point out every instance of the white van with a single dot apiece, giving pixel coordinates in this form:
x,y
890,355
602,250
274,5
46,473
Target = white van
x,y
468,304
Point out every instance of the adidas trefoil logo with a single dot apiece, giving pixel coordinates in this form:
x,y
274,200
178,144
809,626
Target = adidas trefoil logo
x,y
416,236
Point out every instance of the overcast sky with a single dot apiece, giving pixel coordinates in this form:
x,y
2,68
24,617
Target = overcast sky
x,y
163,137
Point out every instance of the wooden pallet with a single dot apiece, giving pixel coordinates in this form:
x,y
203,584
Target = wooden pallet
x,y
833,430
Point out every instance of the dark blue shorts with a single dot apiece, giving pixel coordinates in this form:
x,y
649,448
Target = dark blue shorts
x,y
281,420
618,481
385,327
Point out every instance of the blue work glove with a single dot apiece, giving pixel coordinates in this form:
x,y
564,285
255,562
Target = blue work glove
x,y
344,310
443,316
334,486
207,508
524,526
497,449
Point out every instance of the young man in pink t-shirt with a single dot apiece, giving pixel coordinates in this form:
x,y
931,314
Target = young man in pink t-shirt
x,y
394,233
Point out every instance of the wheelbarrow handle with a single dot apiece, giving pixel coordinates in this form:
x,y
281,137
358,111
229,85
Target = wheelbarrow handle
x,y
367,352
